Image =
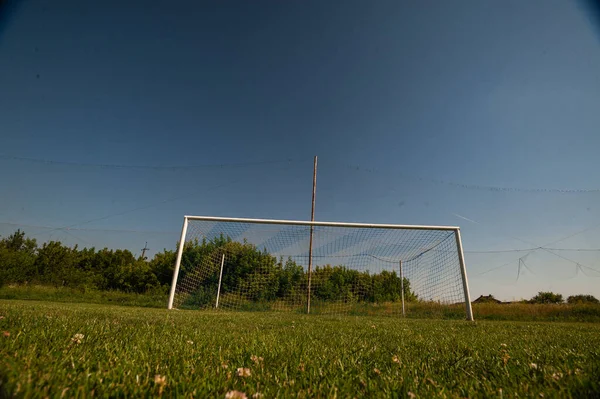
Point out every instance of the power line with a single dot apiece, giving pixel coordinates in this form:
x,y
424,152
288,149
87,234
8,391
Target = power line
x,y
495,268
501,251
90,229
170,232
480,187
542,247
574,234
151,167
573,249
138,208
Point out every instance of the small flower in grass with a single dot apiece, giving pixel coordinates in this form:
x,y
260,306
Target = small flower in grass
x,y
77,338
160,381
224,365
395,359
557,376
256,359
533,366
372,325
6,334
503,345
411,395
376,371
190,342
235,395
243,372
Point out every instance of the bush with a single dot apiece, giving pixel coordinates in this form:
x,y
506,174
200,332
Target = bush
x,y
547,297
574,299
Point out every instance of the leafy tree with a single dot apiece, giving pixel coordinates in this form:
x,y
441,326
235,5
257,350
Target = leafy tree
x,y
547,297
55,264
17,257
291,280
162,265
247,269
574,299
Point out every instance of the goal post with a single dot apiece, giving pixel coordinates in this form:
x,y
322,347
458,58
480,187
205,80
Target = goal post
x,y
357,268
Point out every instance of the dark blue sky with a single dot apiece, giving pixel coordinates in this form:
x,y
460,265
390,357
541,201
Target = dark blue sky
x,y
476,92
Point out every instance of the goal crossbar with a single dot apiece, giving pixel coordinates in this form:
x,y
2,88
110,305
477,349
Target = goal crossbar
x,y
324,224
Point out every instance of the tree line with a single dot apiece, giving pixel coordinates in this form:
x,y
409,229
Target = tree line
x,y
258,276
548,297
248,269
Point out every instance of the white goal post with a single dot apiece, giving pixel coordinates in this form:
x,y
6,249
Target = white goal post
x,y
317,267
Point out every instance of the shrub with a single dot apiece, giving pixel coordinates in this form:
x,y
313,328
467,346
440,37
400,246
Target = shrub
x,y
547,297
574,299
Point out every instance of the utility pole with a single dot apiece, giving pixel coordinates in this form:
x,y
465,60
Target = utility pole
x,y
144,250
310,245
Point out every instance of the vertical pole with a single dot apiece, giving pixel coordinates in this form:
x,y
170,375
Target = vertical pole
x,y
463,271
220,277
178,262
310,245
402,288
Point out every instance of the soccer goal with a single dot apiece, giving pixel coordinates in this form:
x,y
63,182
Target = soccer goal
x,y
317,267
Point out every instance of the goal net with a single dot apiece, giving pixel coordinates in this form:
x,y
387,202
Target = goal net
x,y
316,267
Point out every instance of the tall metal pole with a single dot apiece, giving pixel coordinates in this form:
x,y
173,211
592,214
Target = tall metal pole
x,y
463,271
178,262
220,277
402,288
310,245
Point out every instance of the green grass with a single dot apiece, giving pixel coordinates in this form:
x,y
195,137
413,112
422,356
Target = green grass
x,y
156,299
415,310
129,351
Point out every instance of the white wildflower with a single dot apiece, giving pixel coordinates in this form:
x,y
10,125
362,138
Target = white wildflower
x,y
256,359
77,338
243,372
235,395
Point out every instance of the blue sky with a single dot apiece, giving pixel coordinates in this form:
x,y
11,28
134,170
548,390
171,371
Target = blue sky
x,y
397,99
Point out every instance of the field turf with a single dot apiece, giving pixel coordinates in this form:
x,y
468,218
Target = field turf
x,y
84,350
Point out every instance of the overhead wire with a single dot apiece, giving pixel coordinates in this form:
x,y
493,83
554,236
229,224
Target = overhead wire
x,y
543,247
136,209
152,167
481,187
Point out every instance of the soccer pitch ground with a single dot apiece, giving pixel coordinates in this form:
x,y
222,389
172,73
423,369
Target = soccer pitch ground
x,y
83,350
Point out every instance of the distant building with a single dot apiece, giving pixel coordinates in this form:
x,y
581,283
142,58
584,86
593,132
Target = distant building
x,y
486,299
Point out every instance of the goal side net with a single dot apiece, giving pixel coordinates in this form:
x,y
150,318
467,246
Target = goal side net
x,y
350,268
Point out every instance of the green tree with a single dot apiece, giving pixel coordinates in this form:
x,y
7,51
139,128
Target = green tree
x,y
56,264
292,279
162,266
574,299
547,297
17,257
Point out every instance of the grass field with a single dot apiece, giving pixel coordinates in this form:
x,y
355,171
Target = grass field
x,y
61,349
415,310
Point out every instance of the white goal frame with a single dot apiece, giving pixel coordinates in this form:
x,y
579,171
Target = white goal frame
x,y
455,229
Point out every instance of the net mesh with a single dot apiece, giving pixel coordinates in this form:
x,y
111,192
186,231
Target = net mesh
x,y
355,270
